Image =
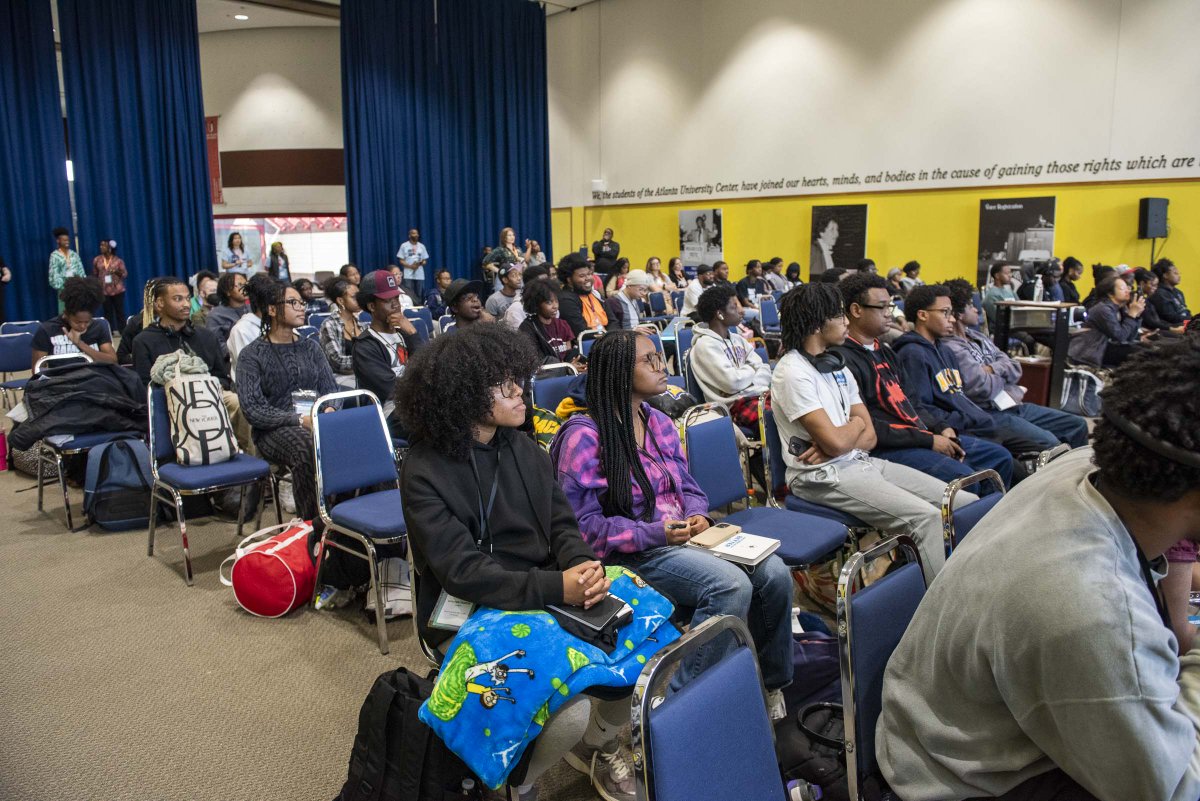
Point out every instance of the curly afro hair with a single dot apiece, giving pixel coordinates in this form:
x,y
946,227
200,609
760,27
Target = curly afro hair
x,y
854,287
80,295
447,386
1156,391
961,294
713,301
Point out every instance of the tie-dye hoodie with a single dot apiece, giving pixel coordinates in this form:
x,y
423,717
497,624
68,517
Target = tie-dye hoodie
x,y
576,455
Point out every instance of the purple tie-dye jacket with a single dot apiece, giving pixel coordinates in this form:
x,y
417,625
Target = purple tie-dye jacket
x,y
576,454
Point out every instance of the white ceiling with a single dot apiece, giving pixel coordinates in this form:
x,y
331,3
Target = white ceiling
x,y
217,15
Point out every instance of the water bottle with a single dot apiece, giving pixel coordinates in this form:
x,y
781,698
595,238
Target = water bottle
x,y
1038,290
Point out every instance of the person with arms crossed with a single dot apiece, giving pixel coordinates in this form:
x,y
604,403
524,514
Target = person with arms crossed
x,y
413,257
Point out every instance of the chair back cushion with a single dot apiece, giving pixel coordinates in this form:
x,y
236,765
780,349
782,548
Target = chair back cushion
x,y
879,614
713,460
16,352
355,449
967,516
727,697
775,463
160,426
549,392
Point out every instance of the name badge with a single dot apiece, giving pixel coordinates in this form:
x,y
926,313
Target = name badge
x,y
450,613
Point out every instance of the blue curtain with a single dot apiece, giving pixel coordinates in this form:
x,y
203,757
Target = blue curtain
x,y
135,114
34,199
445,127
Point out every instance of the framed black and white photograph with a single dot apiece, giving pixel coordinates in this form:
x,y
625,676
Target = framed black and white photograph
x,y
700,237
1015,230
839,238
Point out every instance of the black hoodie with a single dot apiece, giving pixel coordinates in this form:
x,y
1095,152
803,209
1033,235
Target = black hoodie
x,y
156,341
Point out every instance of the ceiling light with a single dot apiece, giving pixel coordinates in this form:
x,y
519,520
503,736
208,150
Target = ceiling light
x,y
240,17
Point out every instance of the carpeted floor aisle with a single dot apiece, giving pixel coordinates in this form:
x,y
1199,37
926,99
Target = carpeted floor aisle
x,y
120,682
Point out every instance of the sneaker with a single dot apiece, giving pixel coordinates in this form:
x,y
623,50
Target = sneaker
x,y
776,707
397,589
612,776
287,498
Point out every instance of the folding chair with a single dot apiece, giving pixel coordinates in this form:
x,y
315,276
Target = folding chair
x,y
424,332
20,327
683,344
173,481
306,332
1046,457
689,380
353,452
714,462
586,339
667,765
957,524
768,312
60,360
548,391
677,300
445,323
16,352
364,317
317,319
871,621
421,313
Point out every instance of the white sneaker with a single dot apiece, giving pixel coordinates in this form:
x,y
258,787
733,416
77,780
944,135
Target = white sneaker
x,y
397,589
776,708
286,498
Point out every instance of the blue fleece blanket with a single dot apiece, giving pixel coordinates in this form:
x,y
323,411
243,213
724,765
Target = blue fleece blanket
x,y
505,673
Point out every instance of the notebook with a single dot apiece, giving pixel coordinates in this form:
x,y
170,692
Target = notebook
x,y
734,545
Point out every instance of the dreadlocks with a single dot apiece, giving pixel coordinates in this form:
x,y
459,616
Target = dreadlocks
x,y
609,393
804,311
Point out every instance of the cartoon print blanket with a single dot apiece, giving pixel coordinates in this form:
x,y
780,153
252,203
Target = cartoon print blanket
x,y
505,673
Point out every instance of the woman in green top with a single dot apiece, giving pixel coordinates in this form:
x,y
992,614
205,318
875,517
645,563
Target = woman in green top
x,y
505,253
64,263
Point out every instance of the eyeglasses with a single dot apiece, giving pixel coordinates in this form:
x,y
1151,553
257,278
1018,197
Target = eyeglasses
x,y
654,361
888,307
511,389
295,304
948,311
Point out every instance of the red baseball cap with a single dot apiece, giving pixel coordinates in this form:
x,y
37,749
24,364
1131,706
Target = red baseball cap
x,y
379,284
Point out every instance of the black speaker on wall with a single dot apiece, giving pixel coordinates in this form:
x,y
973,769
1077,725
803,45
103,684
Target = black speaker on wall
x,y
1152,218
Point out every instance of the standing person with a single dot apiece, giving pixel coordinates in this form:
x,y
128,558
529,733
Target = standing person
x,y
605,251
338,332
503,254
676,277
204,299
921,439
5,278
381,349
462,399
826,432
279,266
433,298
413,257
109,269
999,290
75,330
350,273
1111,332
510,289
625,475
724,364
231,294
616,279
549,334
705,277
1072,272
64,263
820,255
234,259
1041,664
577,304
1168,299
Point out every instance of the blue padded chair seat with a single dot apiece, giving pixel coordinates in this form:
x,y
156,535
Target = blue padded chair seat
x,y
808,507
16,383
377,515
967,516
241,469
803,539
85,441
729,692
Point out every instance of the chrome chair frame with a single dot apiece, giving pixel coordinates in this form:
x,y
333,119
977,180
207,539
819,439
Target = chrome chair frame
x,y
47,454
588,335
4,377
659,670
166,493
1046,457
368,553
68,358
846,585
952,490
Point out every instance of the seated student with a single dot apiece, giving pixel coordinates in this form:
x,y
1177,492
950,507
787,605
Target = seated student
x,y
462,400
381,351
725,365
514,315
624,306
464,301
1000,289
990,376
577,304
1147,284
135,323
548,333
1041,664
1111,331
231,297
625,475
339,330
433,298
912,276
1168,299
826,432
510,290
895,286
1099,273
312,304
1072,271
904,435
249,326
76,330
751,289
1048,275
350,273
773,273
616,278
706,276
204,298
937,379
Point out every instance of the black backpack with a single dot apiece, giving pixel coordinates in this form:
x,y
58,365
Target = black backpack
x,y
396,757
116,490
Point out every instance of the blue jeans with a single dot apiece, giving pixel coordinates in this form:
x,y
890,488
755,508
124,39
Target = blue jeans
x,y
1029,427
981,455
416,286
711,586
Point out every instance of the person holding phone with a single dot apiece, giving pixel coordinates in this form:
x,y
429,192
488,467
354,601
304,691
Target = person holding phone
x,y
624,473
234,259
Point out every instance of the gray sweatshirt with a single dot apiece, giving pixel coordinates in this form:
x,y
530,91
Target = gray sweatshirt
x,y
1040,645
974,352
726,369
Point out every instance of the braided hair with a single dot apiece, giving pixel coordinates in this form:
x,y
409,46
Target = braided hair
x,y
804,310
609,390
265,295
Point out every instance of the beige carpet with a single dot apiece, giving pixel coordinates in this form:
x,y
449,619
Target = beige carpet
x,y
120,682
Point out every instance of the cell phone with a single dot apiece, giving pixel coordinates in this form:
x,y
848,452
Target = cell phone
x,y
797,446
676,526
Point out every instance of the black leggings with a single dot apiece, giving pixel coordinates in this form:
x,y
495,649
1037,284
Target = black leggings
x,y
1051,786
292,447
114,311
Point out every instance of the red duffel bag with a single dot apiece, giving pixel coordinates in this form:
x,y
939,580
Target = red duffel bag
x,y
272,573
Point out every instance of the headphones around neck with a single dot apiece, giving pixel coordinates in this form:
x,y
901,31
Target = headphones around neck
x,y
828,361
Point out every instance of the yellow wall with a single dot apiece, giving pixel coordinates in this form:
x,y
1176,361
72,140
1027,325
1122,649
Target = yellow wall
x,y
939,228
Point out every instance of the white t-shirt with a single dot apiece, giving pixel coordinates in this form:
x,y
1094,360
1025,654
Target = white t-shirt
x,y
244,331
691,296
798,388
393,342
